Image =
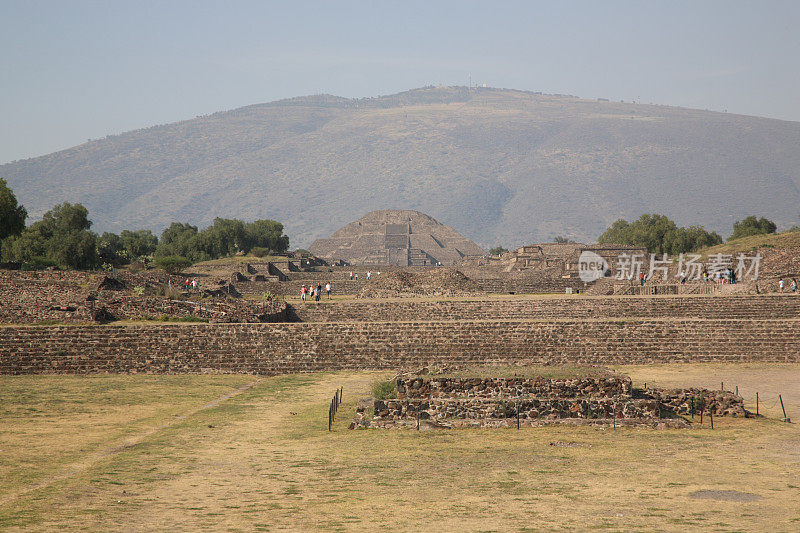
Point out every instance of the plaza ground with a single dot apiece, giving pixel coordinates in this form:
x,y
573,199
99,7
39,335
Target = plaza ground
x,y
244,453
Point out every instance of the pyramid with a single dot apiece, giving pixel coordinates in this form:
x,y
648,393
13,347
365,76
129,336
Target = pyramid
x,y
398,238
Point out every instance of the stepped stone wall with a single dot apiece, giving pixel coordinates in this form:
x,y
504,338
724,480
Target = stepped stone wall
x,y
308,347
719,307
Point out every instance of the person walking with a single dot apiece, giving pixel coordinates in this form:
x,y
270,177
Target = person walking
x,y
780,285
187,284
303,291
318,292
793,286
194,284
328,289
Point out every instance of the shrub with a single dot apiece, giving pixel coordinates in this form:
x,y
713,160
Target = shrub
x,y
172,264
384,390
260,251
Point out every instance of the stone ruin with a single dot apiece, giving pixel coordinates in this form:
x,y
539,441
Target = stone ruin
x,y
448,402
396,238
546,267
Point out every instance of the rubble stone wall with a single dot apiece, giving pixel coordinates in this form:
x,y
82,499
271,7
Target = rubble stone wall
x,y
310,347
712,307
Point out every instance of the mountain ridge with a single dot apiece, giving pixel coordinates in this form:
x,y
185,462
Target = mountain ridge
x,y
500,166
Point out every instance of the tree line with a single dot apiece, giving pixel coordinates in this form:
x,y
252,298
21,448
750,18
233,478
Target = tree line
x,y
63,238
660,235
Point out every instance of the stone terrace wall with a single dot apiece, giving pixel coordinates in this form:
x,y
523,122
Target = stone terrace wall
x,y
292,288
723,307
288,348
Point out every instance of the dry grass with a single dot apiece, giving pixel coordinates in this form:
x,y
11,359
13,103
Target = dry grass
x,y
263,460
786,239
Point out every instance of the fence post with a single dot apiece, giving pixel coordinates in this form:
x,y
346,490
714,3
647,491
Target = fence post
x,y
785,418
756,403
692,411
517,409
711,417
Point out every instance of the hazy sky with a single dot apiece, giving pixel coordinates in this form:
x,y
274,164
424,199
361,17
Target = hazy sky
x,y
72,70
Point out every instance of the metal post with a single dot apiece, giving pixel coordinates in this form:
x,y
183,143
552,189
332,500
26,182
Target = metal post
x,y
737,390
692,399
517,414
711,417
722,385
756,403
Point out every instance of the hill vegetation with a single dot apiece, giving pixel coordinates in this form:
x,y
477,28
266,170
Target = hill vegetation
x,y
500,166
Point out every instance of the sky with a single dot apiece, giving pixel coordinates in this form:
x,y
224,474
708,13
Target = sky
x,y
72,70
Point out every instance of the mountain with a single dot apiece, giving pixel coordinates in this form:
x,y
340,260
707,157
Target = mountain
x,y
500,166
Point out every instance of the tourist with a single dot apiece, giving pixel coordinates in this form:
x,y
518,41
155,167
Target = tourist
x,y
683,278
318,292
641,279
194,284
187,284
780,285
328,289
303,291
351,275
793,286
356,276
369,274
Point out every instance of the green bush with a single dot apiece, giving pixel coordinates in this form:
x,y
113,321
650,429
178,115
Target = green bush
x,y
260,251
752,226
172,264
384,390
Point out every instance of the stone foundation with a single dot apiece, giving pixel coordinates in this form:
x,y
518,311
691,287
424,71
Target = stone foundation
x,y
504,402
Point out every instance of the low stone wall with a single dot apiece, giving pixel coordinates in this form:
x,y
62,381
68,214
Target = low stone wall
x,y
487,401
289,348
720,307
443,387
529,408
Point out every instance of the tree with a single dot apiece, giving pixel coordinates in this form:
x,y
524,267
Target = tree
x,y
12,215
177,240
752,226
111,250
266,234
138,243
659,235
563,240
223,238
497,250
62,238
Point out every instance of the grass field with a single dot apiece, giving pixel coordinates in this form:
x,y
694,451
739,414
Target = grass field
x,y
243,453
